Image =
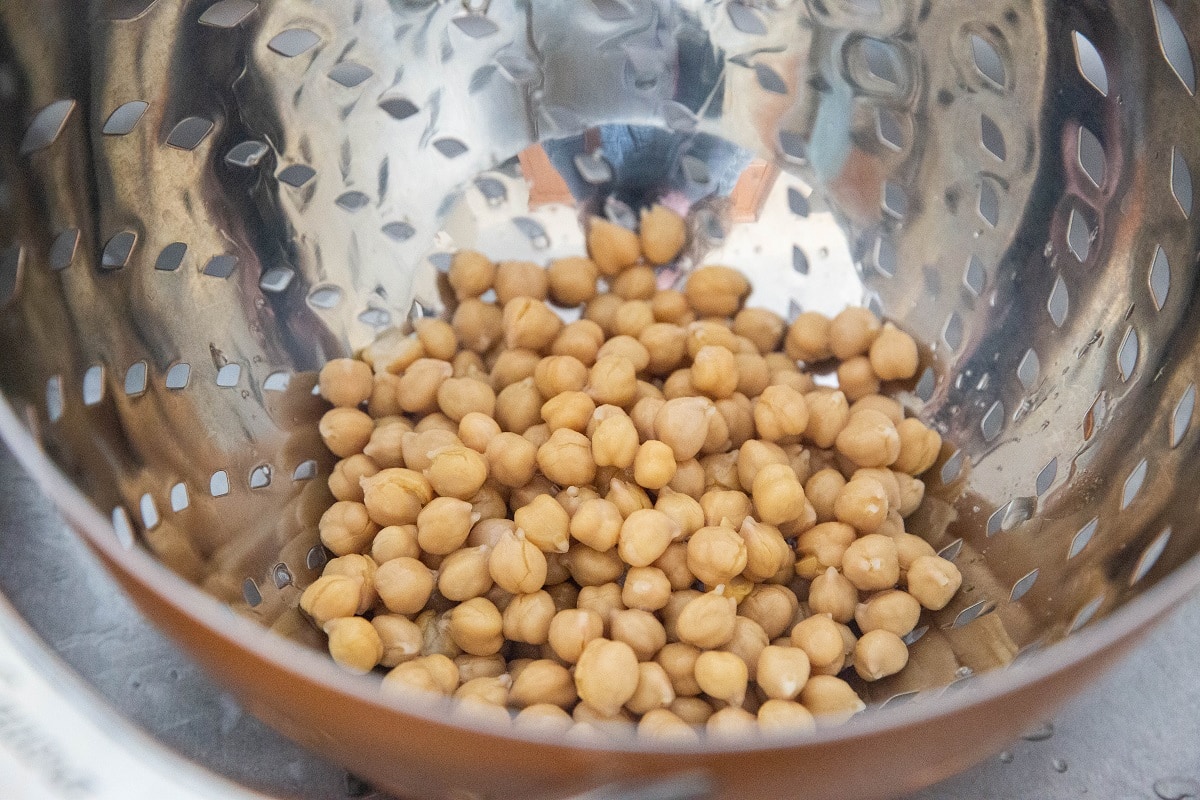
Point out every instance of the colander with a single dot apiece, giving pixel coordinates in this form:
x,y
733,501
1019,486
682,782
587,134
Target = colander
x,y
204,201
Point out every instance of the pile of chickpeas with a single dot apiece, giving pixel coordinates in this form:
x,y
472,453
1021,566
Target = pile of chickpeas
x,y
652,515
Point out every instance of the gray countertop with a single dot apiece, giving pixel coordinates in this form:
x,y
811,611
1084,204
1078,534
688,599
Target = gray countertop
x,y
1134,735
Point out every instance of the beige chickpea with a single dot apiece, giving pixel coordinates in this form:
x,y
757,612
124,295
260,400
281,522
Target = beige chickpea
x,y
856,379
602,311
520,279
747,643
893,354
731,723
419,384
543,681
872,563
356,566
613,381
830,699
544,719
678,661
886,478
572,280
685,511
715,371
589,567
545,523
604,599
384,401
477,324
679,385
762,327
822,490
476,627
478,695
778,495
639,629
737,410
784,716
689,478
437,421
910,547
554,375
887,406
654,689
471,274
635,283
692,710
392,352
653,465
682,425
671,306
512,459
456,471
468,363
476,429
354,644
802,382
645,535
665,725
707,621
611,246
645,589
665,345
919,447
782,672
892,610
772,607
878,654
331,597
464,574
823,546
615,440
834,594
722,676
627,497
400,637
725,506
572,498
710,333
716,291
385,445
527,618
753,374
530,324
471,667
663,233
345,382
436,337
715,554
512,366
852,332
395,541
345,431
753,455
933,581
417,447
581,340
911,491
597,524
516,564
566,458
716,438
627,347
347,527
766,549
673,563
869,439
808,338
606,675
346,474
862,503
443,525
828,414
404,585
411,676
570,631
518,407
570,410
779,412
821,640
643,413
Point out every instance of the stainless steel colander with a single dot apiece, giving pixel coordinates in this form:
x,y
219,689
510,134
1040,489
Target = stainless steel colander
x,y
203,201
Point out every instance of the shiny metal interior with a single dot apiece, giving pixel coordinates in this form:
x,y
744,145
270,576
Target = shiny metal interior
x,y
204,201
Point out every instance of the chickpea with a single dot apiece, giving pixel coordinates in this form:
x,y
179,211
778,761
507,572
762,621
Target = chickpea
x,y
822,490
520,279
646,589
518,407
671,306
689,478
516,564
571,630
682,425
395,541
919,447
852,332
602,311
471,667
710,333
392,352
715,554
820,638
613,381
419,384
869,440
554,375
589,567
400,637
800,381
543,718
682,509
596,524
762,327
476,429
384,447
404,585
511,459
468,364
884,405
856,379
893,354
356,566
826,543
747,643
862,503
716,438
615,441
892,610
456,471
530,324
778,495
332,597
512,366
872,563
476,627
753,375
570,410
477,324
716,291
830,699
443,525
437,421
834,594
715,371
678,385
766,549
545,524
572,281
604,599
692,710
673,563
808,338
707,621
437,338
665,344
613,247
782,672
345,431
418,447
635,283
654,465
654,689
663,724
566,458
383,401
346,527
345,382
725,507
678,661
344,480
639,629
663,234
933,581
644,537
781,411
471,274
772,607
731,722
480,694
784,716
409,676
606,675
878,654
722,676
544,681
627,497
464,573
828,414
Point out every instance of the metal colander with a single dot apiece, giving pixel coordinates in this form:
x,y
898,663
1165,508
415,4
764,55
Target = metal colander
x,y
203,201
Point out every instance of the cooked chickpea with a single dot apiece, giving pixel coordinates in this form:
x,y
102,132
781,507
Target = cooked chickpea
x,y
654,689
613,381
520,279
571,630
613,247
471,274
784,716
589,567
825,544
385,446
715,554
597,524
654,465
780,412
682,425
543,718
530,324
464,573
671,306
725,506
635,283
878,654
707,621
543,681
516,564
604,599
477,324
392,352
856,379
834,594
716,438
354,644
527,618
828,413
476,626
417,447
893,354
383,401
346,474
665,345
346,382
772,607
627,497
554,375
778,495
572,281
869,439
645,535
566,458
400,637
511,459
471,667
689,478
821,640
639,629
606,675
476,430
437,421
332,597
615,441
645,588
808,338
512,366
436,337
347,527
753,374
663,234
830,699
419,384
345,431
443,525
852,332
766,549
356,566
545,523
872,563
822,490
715,371
722,676
747,642
933,581
714,291
395,541
673,563
678,385
919,447
892,610
404,585
601,311
731,722
782,672
862,503
456,471
762,327
570,410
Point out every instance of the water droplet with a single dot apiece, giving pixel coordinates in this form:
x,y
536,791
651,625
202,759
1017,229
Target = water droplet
x,y
1040,734
1006,757
1059,765
1176,788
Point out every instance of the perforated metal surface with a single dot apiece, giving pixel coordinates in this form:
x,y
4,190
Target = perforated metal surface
x,y
203,201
